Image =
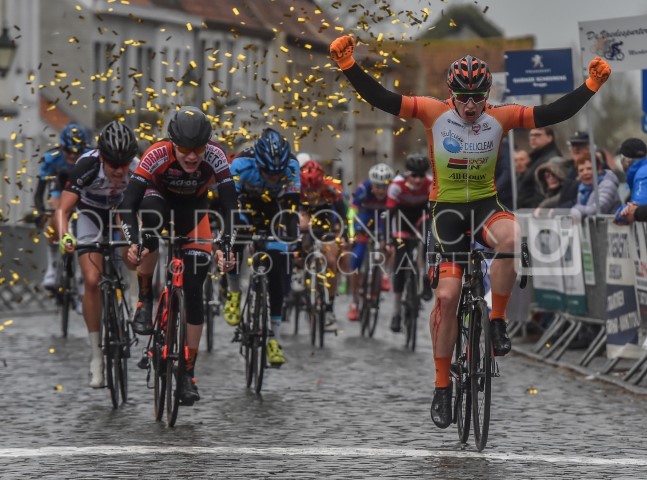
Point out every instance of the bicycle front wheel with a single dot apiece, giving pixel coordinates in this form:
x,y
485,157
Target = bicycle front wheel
x,y
481,373
208,309
159,363
175,354
411,303
376,290
260,329
66,293
460,377
112,357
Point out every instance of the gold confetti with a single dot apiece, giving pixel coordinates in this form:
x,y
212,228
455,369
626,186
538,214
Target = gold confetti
x,y
52,350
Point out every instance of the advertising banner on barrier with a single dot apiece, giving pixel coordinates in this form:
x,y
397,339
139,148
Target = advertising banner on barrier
x,y
574,296
623,320
587,253
620,41
546,251
640,230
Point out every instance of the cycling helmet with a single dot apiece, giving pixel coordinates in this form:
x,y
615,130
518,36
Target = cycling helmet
x,y
469,73
117,143
272,152
417,164
312,175
189,128
381,174
73,138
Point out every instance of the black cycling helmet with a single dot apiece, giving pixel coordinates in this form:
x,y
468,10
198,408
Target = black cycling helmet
x,y
417,164
189,128
117,143
73,138
469,74
272,152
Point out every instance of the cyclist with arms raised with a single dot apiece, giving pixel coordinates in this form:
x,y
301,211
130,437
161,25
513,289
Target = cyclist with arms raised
x,y
96,186
171,183
464,133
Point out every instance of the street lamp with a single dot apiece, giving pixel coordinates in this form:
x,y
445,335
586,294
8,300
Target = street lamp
x,y
7,52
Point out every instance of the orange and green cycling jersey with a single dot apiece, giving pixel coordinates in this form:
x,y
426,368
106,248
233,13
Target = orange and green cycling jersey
x,y
463,154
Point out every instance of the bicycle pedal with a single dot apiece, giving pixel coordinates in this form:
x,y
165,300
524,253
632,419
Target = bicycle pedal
x,y
144,363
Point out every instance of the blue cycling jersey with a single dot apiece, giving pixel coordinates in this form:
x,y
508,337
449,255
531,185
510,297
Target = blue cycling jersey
x,y
250,182
53,164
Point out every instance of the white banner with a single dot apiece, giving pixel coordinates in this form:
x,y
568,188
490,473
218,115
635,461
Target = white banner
x,y
620,41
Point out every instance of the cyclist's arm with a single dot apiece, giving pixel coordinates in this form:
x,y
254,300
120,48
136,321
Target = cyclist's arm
x,y
129,207
228,198
640,215
63,212
290,202
563,108
371,90
39,196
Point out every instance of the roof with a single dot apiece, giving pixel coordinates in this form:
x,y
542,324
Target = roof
x,y
462,18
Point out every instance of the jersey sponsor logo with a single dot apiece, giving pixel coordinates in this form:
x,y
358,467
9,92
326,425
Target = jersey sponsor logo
x,y
451,145
476,128
183,182
467,176
452,122
478,147
486,127
216,158
464,163
154,159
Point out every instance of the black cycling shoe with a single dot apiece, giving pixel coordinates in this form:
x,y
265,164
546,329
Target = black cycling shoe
x,y
143,318
395,324
500,341
441,407
427,292
188,390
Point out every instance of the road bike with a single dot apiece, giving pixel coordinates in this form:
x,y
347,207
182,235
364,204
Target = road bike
x,y
474,364
166,354
115,312
213,299
371,288
66,292
411,291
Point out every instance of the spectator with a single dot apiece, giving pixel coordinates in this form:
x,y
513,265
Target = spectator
x,y
633,152
550,177
607,189
521,161
578,148
543,147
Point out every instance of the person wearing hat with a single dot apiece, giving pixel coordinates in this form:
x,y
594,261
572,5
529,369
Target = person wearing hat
x,y
550,177
578,147
543,148
633,153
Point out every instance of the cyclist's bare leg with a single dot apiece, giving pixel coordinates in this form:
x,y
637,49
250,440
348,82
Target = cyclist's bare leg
x,y
331,251
91,266
443,326
193,335
504,236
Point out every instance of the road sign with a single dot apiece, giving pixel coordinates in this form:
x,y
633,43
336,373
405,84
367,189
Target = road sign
x,y
538,72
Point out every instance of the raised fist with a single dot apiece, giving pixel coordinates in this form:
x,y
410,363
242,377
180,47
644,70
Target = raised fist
x,y
341,51
599,71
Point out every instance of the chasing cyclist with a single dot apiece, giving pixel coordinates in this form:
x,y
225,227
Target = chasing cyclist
x,y
268,185
169,191
464,133
323,209
369,203
56,163
95,187
407,201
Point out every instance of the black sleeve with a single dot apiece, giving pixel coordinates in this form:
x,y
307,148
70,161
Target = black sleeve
x,y
563,108
641,213
228,204
290,202
129,207
82,174
39,203
371,91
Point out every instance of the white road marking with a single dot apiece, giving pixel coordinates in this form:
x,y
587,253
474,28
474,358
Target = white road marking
x,y
109,450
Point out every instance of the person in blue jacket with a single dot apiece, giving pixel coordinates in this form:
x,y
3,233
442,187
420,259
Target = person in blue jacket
x,y
54,168
633,152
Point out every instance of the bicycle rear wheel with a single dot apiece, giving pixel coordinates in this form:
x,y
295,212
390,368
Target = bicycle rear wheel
x,y
175,354
481,373
260,329
247,336
376,290
460,377
159,363
208,308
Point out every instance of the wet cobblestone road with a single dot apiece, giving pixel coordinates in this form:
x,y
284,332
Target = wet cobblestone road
x,y
358,408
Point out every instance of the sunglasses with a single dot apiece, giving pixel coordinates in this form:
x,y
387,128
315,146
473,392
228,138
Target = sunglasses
x,y
115,166
187,150
418,175
464,97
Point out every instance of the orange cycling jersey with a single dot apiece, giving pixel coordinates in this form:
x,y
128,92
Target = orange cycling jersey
x,y
463,155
